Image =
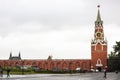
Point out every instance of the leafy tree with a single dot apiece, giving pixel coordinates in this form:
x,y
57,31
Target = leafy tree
x,y
114,58
117,48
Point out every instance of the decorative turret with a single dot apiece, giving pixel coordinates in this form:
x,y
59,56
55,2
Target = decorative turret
x,y
49,57
10,55
19,55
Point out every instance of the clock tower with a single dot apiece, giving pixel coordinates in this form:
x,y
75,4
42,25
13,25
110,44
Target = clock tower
x,y
99,46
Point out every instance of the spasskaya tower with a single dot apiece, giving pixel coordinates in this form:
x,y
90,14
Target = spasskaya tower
x,y
99,45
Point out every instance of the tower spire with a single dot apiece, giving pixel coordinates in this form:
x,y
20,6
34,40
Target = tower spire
x,y
98,21
98,15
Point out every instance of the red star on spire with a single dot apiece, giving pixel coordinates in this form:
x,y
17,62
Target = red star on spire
x,y
98,6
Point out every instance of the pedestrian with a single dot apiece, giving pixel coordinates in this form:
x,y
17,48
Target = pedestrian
x,y
1,72
105,74
8,72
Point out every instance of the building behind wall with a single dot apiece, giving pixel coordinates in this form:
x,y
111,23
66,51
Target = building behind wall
x,y
11,57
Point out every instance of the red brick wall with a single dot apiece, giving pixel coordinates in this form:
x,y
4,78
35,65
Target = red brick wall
x,y
61,64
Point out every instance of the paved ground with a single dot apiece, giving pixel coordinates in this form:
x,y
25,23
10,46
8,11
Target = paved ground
x,y
81,76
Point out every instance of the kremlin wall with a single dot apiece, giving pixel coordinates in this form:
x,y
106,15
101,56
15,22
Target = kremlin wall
x,y
98,59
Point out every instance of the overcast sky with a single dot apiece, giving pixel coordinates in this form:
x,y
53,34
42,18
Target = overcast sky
x,y
61,28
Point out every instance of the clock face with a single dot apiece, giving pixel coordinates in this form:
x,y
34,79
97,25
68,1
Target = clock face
x,y
98,34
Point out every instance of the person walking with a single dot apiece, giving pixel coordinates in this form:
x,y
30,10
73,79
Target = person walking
x,y
105,74
8,72
1,72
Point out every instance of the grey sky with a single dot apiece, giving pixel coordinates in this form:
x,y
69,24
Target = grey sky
x,y
63,28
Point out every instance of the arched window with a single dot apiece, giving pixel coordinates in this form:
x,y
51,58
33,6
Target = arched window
x,y
98,61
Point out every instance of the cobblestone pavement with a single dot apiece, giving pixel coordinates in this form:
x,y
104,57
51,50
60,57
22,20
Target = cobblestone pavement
x,y
81,76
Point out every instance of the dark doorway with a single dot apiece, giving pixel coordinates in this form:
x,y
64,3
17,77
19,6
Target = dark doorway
x,y
99,69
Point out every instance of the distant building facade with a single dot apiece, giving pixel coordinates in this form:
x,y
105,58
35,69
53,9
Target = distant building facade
x,y
15,57
98,56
